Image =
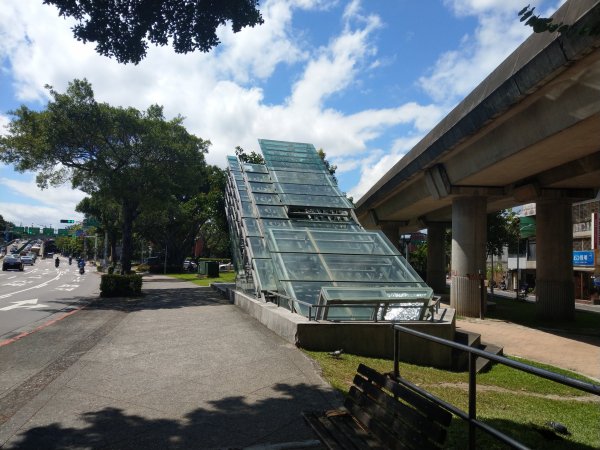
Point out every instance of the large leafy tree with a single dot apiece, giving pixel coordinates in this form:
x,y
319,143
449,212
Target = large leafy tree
x,y
137,158
106,210
123,29
197,212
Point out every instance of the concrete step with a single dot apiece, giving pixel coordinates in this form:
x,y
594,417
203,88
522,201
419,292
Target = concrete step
x,y
483,364
460,360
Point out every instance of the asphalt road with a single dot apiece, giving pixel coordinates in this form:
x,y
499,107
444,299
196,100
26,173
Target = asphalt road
x,y
31,297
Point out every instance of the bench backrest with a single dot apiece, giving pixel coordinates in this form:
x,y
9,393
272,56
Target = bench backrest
x,y
399,415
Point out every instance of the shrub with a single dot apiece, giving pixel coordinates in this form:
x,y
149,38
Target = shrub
x,y
112,285
142,268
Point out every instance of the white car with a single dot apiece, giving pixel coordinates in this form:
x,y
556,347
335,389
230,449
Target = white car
x,y
27,259
225,267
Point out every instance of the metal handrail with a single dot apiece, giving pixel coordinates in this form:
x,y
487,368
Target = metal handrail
x,y
471,415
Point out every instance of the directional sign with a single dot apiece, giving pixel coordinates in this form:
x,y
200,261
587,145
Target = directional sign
x,y
25,304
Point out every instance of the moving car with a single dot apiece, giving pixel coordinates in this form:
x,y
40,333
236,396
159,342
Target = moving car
x,y
12,262
27,259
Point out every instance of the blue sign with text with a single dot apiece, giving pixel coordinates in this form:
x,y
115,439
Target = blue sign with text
x,y
583,258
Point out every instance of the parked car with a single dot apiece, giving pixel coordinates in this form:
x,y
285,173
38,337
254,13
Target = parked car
x,y
12,262
33,255
27,259
189,265
225,267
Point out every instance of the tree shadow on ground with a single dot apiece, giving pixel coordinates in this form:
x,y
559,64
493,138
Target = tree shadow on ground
x,y
154,299
231,422
237,422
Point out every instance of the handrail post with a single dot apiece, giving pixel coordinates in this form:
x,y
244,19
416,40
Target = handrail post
x,y
396,345
472,401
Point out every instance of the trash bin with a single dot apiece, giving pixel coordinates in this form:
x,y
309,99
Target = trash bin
x,y
212,269
201,267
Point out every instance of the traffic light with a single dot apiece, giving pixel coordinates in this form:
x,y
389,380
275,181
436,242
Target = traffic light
x,y
67,221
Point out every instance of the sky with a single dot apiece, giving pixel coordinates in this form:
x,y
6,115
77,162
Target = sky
x,y
363,80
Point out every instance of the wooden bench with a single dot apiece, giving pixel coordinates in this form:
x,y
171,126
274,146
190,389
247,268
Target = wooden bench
x,y
382,413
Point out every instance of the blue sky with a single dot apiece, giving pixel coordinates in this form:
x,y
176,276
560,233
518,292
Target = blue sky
x,y
364,80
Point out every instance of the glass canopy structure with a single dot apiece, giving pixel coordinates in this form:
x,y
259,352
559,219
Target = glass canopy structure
x,y
294,235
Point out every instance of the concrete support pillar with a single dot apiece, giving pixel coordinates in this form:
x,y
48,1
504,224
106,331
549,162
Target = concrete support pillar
x,y
436,257
554,285
469,235
391,232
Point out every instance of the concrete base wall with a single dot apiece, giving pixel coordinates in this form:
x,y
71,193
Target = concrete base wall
x,y
365,339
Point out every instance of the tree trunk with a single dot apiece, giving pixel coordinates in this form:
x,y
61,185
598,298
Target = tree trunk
x,y
128,213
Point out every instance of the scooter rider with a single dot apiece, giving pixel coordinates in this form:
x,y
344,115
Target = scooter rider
x,y
56,262
70,259
81,265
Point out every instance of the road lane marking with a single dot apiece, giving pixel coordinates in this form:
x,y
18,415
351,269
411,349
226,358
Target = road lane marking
x,y
32,287
67,287
25,304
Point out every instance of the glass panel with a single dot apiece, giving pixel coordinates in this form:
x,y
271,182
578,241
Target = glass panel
x,y
300,267
258,247
251,227
262,177
240,184
367,268
247,209
262,187
296,166
267,199
305,291
301,178
244,196
350,243
315,201
238,176
290,241
272,211
286,188
265,274
275,223
259,168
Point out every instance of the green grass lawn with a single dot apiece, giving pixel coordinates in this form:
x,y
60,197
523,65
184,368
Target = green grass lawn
x,y
515,402
224,277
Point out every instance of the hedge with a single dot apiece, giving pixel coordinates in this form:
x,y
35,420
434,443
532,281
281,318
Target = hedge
x,y
113,285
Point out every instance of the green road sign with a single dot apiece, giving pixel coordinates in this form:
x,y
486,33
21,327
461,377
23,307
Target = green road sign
x,y
48,231
63,232
67,221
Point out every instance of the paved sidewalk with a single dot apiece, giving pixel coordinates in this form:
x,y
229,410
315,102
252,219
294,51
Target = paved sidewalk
x,y
180,368
579,354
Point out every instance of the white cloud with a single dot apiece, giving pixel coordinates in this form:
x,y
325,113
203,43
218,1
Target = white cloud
x,y
222,95
52,204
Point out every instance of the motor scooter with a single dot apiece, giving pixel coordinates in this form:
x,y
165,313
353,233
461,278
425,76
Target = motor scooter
x,y
81,270
70,260
56,262
81,265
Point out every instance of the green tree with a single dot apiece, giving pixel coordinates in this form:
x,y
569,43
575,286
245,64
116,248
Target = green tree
x,y
252,157
546,24
330,167
137,158
106,210
123,29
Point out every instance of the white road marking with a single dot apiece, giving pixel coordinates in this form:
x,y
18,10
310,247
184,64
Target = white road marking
x,y
25,304
32,287
67,287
